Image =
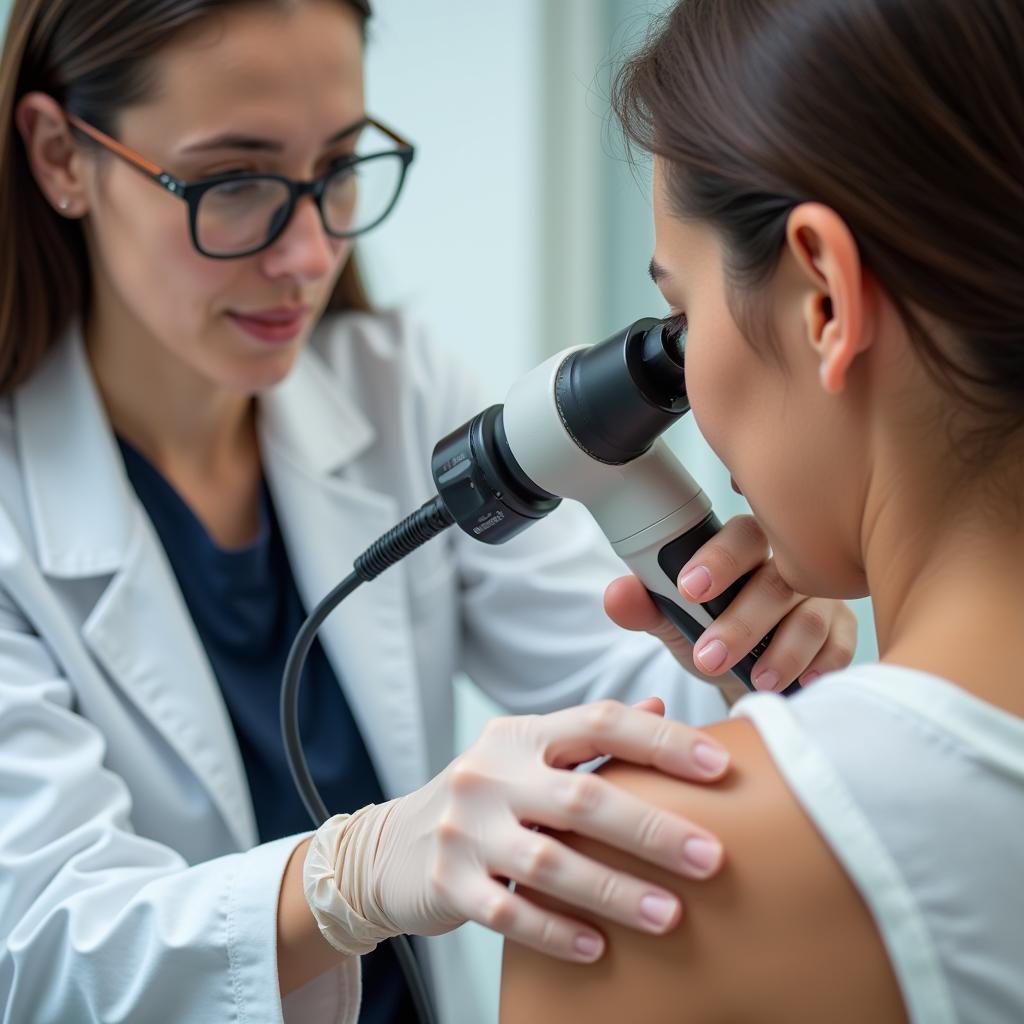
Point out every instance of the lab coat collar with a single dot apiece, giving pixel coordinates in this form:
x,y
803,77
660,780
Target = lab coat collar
x,y
79,497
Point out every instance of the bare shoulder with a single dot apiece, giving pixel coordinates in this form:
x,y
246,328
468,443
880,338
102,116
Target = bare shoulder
x,y
779,935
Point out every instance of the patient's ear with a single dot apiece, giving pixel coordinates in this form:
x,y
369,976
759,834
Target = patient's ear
x,y
833,298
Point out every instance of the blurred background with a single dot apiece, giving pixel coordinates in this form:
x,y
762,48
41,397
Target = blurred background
x,y
522,229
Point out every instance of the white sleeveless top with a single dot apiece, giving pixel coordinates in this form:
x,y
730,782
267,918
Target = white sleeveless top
x,y
918,787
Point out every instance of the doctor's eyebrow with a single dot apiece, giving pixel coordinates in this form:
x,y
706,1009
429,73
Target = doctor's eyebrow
x,y
657,271
252,143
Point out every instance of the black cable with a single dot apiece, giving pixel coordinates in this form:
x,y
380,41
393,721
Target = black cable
x,y
426,522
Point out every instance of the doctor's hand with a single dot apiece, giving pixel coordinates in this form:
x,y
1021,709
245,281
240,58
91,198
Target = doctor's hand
x,y
812,635
445,852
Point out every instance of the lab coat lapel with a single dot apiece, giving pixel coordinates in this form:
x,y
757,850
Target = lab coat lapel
x,y
88,523
311,433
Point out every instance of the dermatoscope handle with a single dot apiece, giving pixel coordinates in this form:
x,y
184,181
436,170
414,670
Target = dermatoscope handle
x,y
670,559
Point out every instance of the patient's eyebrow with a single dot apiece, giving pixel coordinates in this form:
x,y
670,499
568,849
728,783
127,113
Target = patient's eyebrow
x,y
657,271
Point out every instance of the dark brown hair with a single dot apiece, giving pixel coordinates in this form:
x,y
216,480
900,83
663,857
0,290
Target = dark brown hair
x,y
94,57
904,116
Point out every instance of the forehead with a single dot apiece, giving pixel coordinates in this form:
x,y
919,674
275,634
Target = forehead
x,y
679,242
269,68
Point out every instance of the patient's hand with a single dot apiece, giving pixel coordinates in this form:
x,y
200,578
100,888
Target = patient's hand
x,y
813,635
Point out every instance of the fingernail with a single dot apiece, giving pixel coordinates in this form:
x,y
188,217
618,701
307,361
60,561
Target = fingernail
x,y
710,758
809,678
767,680
587,946
658,910
702,854
696,582
712,656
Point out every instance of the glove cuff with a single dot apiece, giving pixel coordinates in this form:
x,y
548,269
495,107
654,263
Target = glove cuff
x,y
337,878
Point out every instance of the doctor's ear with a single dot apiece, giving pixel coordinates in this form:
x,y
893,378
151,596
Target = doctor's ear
x,y
832,306
56,162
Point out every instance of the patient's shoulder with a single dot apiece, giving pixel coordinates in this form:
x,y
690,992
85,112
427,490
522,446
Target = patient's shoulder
x,y
780,934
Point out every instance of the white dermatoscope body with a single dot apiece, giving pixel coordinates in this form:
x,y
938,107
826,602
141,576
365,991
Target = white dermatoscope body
x,y
586,425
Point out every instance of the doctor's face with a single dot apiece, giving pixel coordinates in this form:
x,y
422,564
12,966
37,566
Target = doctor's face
x,y
258,88
759,403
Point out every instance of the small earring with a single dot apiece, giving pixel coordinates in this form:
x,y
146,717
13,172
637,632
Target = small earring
x,y
64,203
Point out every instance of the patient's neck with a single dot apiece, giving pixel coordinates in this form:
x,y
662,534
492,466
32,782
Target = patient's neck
x,y
948,595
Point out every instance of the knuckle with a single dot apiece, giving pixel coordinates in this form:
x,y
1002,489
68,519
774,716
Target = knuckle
x,y
449,830
602,715
548,936
726,564
608,891
775,587
750,533
741,634
580,794
465,776
665,739
495,728
652,831
499,912
813,622
537,861
837,653
440,878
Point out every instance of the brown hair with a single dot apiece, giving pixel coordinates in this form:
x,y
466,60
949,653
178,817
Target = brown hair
x,y
93,57
904,116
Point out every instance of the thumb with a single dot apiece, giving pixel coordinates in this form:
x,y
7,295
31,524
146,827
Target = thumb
x,y
653,704
627,604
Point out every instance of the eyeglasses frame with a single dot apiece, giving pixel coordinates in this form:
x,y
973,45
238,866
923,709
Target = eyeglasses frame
x,y
191,192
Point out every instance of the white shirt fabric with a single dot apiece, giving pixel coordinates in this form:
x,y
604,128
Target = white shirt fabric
x,y
131,883
918,787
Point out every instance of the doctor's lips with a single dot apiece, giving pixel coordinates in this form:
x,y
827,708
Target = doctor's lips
x,y
280,324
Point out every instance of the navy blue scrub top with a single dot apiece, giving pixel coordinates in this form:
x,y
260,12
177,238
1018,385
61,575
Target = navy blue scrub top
x,y
247,610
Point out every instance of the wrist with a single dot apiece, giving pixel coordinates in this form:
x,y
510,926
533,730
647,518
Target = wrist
x,y
302,953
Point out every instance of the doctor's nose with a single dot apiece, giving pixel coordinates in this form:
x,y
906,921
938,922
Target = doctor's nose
x,y
304,250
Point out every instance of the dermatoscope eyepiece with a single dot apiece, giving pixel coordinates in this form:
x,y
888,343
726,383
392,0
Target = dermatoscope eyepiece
x,y
615,398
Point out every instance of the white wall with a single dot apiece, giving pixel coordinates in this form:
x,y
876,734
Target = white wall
x,y
462,80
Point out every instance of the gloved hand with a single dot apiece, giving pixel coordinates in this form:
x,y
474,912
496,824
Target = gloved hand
x,y
813,635
427,862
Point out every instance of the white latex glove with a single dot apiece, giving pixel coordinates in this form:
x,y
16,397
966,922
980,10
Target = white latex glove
x,y
429,861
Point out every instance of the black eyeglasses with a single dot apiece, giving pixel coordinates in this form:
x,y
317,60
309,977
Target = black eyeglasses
x,y
233,215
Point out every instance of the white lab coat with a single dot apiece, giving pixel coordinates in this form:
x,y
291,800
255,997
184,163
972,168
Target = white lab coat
x,y
131,883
